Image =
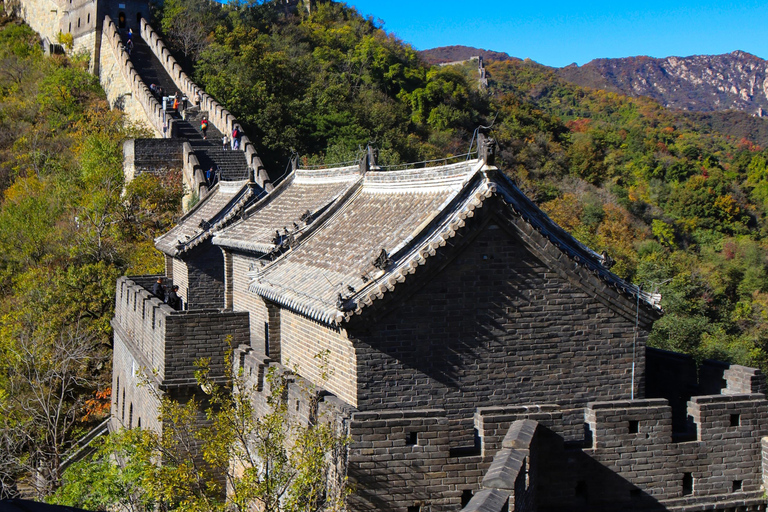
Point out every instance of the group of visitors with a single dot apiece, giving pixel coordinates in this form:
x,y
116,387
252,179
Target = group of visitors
x,y
156,90
129,42
171,297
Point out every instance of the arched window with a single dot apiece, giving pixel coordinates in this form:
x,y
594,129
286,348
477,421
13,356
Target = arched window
x,y
121,20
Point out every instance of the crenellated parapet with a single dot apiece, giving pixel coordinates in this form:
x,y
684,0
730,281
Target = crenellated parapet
x,y
220,117
165,342
123,85
629,457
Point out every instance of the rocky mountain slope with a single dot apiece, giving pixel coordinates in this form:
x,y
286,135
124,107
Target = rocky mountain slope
x,y
701,83
456,53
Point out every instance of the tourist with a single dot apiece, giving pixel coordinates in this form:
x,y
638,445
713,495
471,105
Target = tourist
x,y
209,174
225,143
236,137
158,289
173,298
204,126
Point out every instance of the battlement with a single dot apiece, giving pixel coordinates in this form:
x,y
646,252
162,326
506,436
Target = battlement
x,y
218,116
168,342
629,455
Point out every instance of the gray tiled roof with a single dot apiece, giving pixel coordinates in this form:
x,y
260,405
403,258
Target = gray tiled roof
x,y
220,206
304,191
330,274
386,213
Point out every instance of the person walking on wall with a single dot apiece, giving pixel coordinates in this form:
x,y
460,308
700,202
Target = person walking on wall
x,y
236,137
204,126
224,143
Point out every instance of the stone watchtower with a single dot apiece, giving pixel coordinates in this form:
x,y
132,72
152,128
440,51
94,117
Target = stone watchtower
x,y
83,19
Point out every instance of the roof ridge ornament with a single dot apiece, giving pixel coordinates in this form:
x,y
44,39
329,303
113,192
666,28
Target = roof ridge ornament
x,y
486,148
383,260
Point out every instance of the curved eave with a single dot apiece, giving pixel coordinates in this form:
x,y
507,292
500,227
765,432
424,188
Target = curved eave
x,y
306,306
233,243
232,212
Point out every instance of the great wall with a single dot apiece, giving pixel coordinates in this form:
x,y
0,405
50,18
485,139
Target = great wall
x,y
484,360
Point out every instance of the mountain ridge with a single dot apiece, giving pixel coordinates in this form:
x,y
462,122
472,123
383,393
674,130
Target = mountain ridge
x,y
698,83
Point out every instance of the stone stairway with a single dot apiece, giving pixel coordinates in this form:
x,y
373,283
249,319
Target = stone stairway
x,y
148,67
209,151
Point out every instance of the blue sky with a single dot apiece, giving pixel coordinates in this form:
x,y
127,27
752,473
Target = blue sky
x,y
558,33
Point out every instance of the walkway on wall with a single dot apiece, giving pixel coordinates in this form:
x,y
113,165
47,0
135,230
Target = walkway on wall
x,y
210,152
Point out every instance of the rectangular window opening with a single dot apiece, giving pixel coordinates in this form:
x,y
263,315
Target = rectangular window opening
x,y
634,426
466,497
468,451
735,420
412,439
687,484
266,338
736,486
414,508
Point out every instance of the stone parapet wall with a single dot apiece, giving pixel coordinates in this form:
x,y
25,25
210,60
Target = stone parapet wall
x,y
153,156
220,117
633,440
193,175
743,380
404,458
133,404
166,342
79,18
125,89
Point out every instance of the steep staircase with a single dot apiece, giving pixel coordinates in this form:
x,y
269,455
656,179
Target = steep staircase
x,y
232,165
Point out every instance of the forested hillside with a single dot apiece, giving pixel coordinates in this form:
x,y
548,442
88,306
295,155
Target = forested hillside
x,y
65,236
680,206
699,83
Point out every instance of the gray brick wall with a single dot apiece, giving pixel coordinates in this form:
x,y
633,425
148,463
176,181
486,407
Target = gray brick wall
x,y
205,277
496,327
302,340
242,300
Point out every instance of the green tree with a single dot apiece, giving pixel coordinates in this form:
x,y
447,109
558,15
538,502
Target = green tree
x,y
234,460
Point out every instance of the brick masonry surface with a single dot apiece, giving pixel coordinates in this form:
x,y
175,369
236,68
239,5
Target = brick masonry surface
x,y
157,344
496,327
